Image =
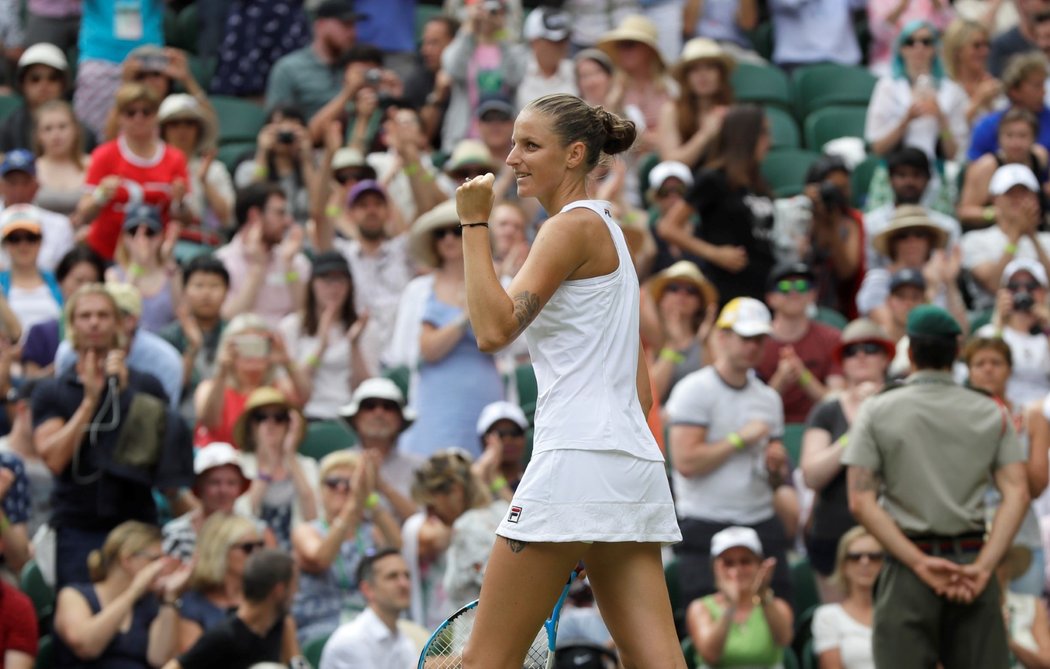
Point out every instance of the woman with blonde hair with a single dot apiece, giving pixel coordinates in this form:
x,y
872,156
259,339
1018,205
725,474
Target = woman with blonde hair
x,y
842,631
61,164
127,615
250,355
224,545
966,48
329,549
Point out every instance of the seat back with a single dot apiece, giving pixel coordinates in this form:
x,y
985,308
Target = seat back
x,y
324,437
785,170
761,84
829,123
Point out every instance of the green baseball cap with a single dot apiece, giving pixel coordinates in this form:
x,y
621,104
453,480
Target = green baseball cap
x,y
927,320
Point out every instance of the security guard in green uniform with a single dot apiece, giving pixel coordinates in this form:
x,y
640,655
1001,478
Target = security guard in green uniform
x,y
928,447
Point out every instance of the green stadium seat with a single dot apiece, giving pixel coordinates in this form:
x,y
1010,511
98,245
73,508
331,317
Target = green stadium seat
x,y
762,39
645,166
804,585
761,84
232,154
185,251
689,651
9,103
793,441
830,123
827,84
803,633
674,591
202,69
312,650
423,14
785,170
790,659
239,120
783,129
32,583
181,30
809,656
45,653
829,316
324,437
400,376
528,392
861,179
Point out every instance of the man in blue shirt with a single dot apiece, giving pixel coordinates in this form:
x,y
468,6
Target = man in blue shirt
x,y
1024,82
814,31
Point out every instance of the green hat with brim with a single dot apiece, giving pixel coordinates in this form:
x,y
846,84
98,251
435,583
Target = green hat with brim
x,y
928,320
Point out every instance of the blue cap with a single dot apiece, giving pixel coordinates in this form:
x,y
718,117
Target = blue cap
x,y
19,160
142,214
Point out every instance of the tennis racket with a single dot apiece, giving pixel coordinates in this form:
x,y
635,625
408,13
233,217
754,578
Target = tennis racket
x,y
444,648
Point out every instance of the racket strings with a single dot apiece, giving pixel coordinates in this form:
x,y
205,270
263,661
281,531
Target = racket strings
x,y
445,651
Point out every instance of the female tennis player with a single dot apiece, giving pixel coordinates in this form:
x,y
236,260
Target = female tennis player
x,y
596,488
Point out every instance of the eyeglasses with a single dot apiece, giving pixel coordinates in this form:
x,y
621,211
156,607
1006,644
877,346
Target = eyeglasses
x,y
22,238
687,288
339,483
444,232
870,556
786,286
1023,286
276,416
132,112
53,77
249,547
510,433
344,177
386,405
925,41
865,347
150,232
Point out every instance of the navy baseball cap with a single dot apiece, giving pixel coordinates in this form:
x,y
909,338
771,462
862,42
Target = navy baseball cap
x,y
142,214
19,160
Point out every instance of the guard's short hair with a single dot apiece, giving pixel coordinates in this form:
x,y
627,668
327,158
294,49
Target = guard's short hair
x,y
264,571
366,571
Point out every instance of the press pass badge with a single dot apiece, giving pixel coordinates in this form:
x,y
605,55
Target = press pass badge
x,y
127,20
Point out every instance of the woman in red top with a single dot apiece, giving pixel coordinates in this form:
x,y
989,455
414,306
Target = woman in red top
x,y
135,167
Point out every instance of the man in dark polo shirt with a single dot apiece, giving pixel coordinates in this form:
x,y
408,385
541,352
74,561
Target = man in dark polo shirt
x,y
77,418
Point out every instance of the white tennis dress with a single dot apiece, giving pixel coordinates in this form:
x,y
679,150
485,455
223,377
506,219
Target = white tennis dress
x,y
596,472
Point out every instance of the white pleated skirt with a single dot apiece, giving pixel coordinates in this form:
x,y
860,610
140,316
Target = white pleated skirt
x,y
581,495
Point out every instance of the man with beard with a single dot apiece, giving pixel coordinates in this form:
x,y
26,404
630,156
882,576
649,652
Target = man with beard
x,y
268,273
378,415
379,262
261,630
311,76
909,170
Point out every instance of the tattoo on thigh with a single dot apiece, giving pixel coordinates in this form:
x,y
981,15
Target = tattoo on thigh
x,y
526,306
516,546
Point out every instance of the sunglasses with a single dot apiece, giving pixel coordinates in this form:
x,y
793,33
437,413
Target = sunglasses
x,y
339,483
872,556
276,416
249,547
37,78
150,232
22,238
687,288
925,41
444,232
668,191
181,123
144,112
385,405
911,234
345,177
1025,286
786,286
865,347
510,433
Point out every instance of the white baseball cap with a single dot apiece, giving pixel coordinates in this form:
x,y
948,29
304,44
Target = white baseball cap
x,y
43,53
216,454
501,411
668,169
547,23
736,537
1033,267
1014,174
745,316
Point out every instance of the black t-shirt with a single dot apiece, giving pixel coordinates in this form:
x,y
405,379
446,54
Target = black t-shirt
x,y
734,217
831,514
83,496
232,645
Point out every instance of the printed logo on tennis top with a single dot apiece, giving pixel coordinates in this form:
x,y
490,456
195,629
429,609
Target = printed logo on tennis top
x,y
514,515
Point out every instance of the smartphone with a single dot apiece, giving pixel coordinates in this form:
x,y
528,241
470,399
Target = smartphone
x,y
154,62
253,345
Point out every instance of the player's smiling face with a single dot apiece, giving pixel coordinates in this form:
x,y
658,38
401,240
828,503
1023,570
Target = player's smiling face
x,y
537,156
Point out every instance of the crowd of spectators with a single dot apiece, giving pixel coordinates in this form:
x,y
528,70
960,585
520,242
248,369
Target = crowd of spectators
x,y
245,411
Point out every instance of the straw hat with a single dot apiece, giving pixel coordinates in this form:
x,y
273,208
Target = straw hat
x,y
633,28
864,330
420,244
470,152
687,272
909,217
702,48
262,397
179,106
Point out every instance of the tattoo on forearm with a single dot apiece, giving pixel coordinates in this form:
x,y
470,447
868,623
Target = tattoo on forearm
x,y
516,546
526,306
863,480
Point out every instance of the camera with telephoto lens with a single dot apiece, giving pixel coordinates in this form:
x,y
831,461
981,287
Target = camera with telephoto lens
x,y
831,196
373,76
1023,301
286,137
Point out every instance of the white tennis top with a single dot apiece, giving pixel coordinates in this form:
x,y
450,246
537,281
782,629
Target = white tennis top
x,y
584,348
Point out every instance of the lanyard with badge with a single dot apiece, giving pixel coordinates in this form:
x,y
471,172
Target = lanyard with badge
x,y
127,20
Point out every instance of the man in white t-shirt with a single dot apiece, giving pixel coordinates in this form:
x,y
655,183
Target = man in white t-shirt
x,y
372,640
1014,235
548,69
730,467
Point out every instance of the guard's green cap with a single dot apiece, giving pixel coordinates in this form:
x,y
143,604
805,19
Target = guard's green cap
x,y
928,320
